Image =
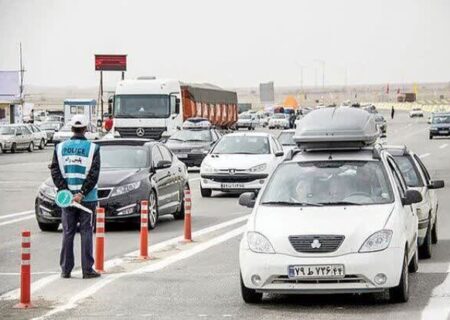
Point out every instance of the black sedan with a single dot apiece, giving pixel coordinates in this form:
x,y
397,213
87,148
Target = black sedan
x,y
440,125
132,170
192,145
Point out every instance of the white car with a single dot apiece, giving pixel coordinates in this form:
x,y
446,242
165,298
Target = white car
x,y
246,121
66,133
417,177
286,138
39,136
416,112
240,162
279,120
331,221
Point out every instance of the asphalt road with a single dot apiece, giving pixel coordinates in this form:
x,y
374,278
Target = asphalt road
x,y
201,279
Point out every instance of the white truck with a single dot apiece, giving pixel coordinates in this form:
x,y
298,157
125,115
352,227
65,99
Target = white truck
x,y
156,108
147,108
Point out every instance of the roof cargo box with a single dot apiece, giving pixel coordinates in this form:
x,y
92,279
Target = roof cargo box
x,y
336,128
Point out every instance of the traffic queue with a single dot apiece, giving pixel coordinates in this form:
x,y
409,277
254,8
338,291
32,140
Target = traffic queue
x,y
334,210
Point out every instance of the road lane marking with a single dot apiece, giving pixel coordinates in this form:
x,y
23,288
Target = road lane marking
x,y
17,220
154,267
443,146
424,155
195,179
41,283
12,215
438,306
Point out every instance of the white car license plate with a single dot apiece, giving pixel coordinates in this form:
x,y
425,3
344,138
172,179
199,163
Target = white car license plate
x,y
232,186
182,156
316,271
443,131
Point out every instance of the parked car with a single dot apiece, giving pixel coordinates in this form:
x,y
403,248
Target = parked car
x,y
132,170
16,137
39,136
279,120
416,112
440,124
335,216
50,128
246,120
239,162
417,178
193,142
66,133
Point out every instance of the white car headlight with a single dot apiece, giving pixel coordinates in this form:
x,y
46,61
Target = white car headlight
x,y
258,168
205,168
126,188
378,241
259,243
49,191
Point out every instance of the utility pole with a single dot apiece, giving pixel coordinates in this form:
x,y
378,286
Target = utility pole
x,y
301,77
21,71
101,94
322,62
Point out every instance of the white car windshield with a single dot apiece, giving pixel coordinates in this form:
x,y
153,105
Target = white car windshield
x,y
191,135
286,138
123,157
279,116
7,131
245,116
242,145
329,183
441,119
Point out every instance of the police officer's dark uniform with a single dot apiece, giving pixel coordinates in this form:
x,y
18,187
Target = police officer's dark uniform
x,y
76,167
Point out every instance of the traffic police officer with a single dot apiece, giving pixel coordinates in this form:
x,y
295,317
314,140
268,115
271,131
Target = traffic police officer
x,y
76,167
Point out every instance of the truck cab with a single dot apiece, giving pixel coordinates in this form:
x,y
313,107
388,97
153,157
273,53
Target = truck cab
x,y
147,108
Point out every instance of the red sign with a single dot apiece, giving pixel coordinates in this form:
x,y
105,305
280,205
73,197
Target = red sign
x,y
111,62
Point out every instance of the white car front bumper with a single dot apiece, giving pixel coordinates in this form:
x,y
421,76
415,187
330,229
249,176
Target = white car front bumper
x,y
360,271
238,183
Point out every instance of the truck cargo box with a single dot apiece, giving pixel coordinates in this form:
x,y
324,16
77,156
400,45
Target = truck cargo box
x,y
336,128
213,103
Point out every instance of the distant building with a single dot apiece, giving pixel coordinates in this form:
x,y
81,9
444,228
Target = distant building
x,y
10,99
267,93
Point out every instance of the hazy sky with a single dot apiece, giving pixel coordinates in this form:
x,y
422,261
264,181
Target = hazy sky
x,y
229,42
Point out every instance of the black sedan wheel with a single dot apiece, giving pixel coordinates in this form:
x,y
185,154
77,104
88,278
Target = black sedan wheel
x,y
152,210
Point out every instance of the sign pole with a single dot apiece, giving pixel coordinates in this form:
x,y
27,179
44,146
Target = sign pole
x,y
101,94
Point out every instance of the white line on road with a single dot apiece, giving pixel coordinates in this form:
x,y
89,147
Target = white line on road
x,y
424,155
88,292
12,215
438,306
17,220
443,146
194,179
41,283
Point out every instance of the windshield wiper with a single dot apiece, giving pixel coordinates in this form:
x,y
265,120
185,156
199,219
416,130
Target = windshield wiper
x,y
197,140
338,203
176,139
290,203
